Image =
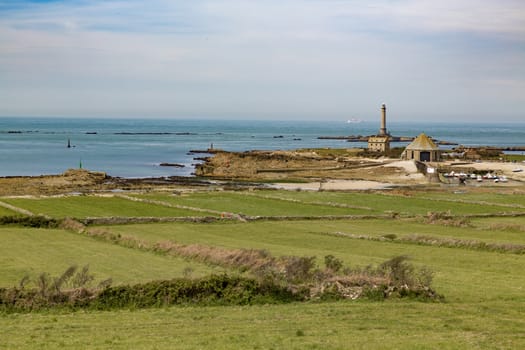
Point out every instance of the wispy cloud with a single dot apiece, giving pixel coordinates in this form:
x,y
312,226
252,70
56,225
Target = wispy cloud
x,y
122,16
506,17
234,57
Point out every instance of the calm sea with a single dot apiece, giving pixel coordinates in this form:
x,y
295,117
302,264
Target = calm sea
x,y
135,148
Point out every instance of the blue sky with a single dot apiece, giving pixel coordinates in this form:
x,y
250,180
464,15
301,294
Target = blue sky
x,y
446,60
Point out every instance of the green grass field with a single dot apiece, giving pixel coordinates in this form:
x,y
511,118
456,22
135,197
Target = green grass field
x,y
515,199
6,212
484,291
404,205
253,205
29,251
93,206
335,325
518,158
512,224
470,270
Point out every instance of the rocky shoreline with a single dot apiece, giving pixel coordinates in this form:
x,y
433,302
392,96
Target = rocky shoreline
x,y
309,169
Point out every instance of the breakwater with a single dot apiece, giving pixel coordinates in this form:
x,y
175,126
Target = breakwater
x,y
360,138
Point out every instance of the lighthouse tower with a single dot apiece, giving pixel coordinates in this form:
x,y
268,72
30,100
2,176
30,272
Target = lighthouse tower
x,y
381,141
382,130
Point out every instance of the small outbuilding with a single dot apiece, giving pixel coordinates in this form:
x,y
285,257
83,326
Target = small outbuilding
x,y
422,149
379,143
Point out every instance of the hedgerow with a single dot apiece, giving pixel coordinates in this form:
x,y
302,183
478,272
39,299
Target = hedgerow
x,y
292,279
36,221
211,290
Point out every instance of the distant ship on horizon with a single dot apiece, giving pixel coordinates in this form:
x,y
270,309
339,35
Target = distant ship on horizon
x,y
354,121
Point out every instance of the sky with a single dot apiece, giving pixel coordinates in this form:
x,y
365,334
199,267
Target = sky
x,y
447,60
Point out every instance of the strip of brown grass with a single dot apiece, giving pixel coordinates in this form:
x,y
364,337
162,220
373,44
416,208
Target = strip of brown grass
x,y
509,248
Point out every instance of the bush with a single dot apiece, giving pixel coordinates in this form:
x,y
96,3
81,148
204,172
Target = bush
x,y
50,291
299,269
398,270
30,221
333,263
296,279
407,281
211,290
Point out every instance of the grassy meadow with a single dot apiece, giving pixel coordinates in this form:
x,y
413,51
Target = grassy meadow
x,y
30,251
253,205
94,206
6,212
484,290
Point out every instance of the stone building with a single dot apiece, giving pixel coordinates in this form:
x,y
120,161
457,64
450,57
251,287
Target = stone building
x,y
422,149
381,141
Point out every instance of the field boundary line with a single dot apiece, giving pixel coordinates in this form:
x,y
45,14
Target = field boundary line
x,y
432,241
320,217
122,220
493,215
16,209
292,200
178,206
463,201
119,220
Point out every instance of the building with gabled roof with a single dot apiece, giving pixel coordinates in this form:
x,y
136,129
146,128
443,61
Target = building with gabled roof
x,y
422,149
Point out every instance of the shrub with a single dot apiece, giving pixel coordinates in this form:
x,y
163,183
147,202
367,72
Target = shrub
x,y
279,280
50,291
299,269
398,270
333,263
407,281
211,290
30,221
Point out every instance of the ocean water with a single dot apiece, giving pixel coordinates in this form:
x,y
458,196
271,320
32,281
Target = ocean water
x,y
136,147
